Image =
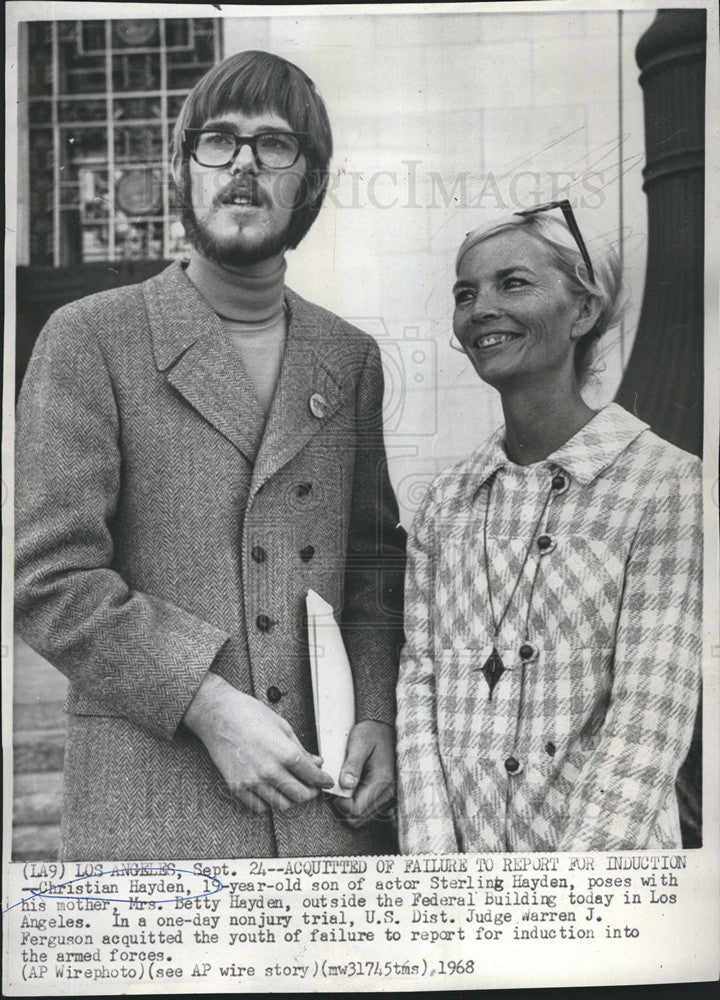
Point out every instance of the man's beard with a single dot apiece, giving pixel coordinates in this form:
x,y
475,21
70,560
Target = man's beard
x,y
231,251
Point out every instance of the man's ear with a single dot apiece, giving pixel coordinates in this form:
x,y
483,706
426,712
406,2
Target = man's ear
x,y
176,170
589,307
316,181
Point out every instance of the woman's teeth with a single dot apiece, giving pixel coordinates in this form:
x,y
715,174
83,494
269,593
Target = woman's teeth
x,y
491,339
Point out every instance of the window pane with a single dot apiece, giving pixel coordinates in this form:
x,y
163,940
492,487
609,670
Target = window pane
x,y
91,37
80,72
81,111
41,170
39,112
175,103
139,71
137,108
40,59
141,143
82,146
177,33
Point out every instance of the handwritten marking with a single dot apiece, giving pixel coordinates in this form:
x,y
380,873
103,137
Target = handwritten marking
x,y
138,872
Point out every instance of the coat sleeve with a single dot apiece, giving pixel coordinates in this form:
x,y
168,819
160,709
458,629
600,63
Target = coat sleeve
x,y
375,558
424,815
140,657
646,734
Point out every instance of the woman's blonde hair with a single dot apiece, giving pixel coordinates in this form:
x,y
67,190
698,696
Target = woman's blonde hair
x,y
606,285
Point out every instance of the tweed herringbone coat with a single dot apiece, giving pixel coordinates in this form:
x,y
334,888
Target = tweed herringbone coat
x,y
163,526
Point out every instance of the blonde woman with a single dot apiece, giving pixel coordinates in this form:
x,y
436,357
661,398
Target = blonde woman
x,y
551,671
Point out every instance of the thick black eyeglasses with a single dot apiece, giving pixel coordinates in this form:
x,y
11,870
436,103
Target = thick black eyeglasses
x,y
566,209
219,147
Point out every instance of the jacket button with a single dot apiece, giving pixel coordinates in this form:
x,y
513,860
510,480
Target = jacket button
x,y
545,543
259,554
528,652
559,482
550,749
264,623
307,553
512,765
303,489
274,695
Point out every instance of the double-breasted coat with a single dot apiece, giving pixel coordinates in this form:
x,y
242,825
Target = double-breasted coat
x,y
164,528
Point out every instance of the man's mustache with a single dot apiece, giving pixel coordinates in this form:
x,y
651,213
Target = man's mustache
x,y
245,186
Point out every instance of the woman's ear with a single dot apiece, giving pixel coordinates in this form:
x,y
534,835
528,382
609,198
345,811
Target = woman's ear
x,y
589,307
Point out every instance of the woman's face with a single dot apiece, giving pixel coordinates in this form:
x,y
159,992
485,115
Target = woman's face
x,y
514,313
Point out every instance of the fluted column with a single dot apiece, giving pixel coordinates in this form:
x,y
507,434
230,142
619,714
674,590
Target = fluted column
x,y
663,382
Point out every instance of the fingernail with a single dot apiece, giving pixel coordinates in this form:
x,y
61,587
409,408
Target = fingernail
x,y
347,779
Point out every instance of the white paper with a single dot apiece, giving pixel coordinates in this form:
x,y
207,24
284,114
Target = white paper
x,y
332,684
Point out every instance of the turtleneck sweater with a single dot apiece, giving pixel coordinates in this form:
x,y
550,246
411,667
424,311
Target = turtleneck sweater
x,y
249,302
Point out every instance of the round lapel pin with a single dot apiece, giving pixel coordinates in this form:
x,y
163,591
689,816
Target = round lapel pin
x,y
318,405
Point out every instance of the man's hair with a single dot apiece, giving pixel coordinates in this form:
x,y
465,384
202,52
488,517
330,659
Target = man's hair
x,y
252,83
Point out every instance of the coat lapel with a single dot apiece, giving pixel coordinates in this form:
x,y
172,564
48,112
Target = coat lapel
x,y
199,361
309,371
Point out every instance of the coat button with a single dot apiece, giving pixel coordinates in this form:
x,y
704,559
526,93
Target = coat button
x,y
318,405
559,483
264,623
307,553
273,694
528,652
545,543
259,554
512,765
303,489
550,749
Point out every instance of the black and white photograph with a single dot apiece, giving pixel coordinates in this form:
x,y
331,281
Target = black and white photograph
x,y
360,487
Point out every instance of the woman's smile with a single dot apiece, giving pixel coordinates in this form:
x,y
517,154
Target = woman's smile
x,y
495,338
514,314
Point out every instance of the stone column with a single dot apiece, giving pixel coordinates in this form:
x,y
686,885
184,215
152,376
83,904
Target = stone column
x,y
663,382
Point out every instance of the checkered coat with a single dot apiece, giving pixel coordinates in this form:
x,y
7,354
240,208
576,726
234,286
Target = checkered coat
x,y
577,750
163,527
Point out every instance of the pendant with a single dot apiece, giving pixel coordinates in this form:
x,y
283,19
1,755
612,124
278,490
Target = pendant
x,y
493,669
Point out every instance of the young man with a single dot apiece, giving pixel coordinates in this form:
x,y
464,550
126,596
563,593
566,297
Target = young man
x,y
193,454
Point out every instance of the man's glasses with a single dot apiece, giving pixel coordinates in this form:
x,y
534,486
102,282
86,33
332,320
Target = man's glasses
x,y
218,147
569,216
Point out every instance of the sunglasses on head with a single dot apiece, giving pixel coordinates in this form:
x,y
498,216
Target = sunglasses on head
x,y
569,216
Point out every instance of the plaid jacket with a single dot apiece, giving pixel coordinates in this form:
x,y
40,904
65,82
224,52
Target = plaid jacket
x,y
579,749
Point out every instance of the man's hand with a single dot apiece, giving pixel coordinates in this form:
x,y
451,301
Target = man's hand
x,y
369,769
255,750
